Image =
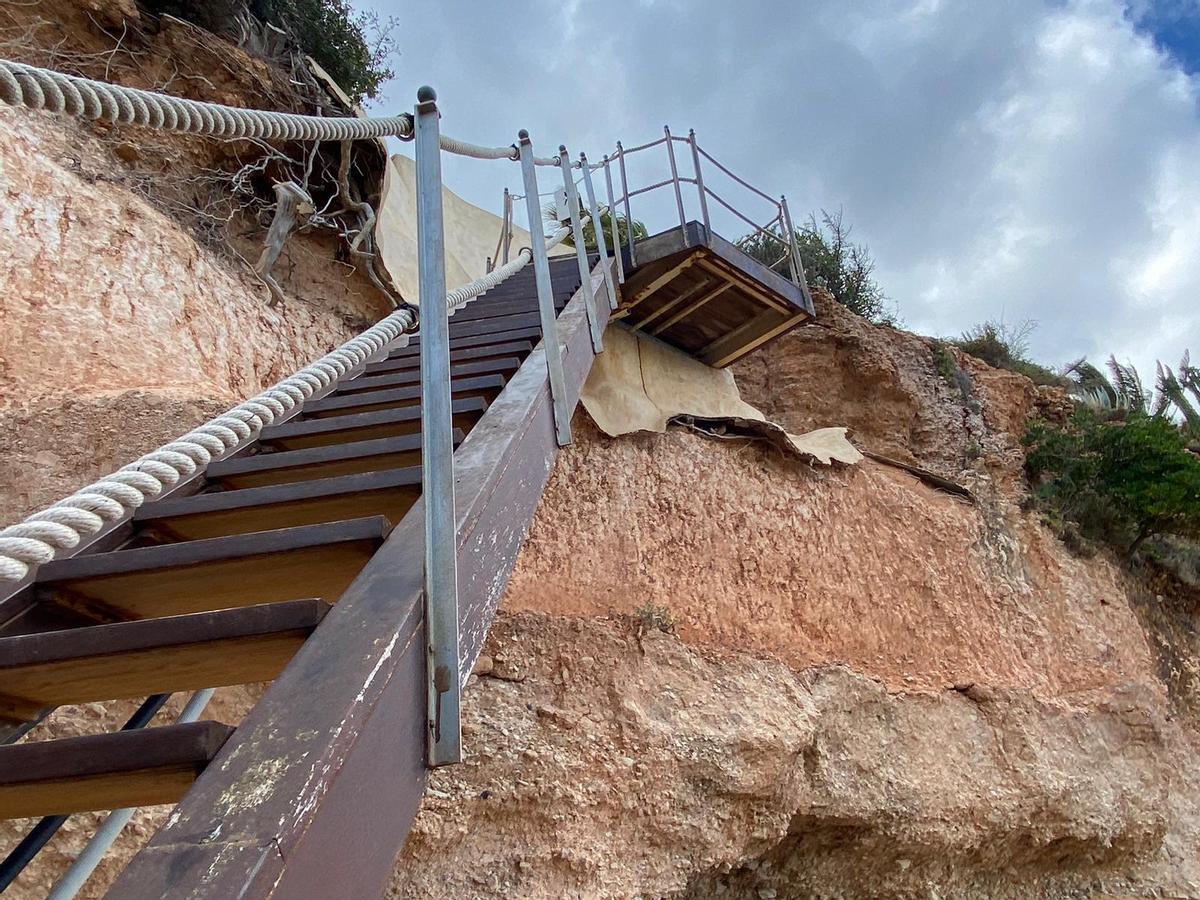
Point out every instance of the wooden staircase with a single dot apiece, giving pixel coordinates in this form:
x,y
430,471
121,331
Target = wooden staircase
x,y
297,558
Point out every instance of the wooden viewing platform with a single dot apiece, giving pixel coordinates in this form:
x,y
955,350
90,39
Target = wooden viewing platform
x,y
694,290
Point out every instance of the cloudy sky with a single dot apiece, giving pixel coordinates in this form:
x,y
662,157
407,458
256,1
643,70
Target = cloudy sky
x,y
1015,160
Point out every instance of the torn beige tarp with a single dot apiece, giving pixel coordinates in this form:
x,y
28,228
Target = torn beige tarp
x,y
471,232
640,384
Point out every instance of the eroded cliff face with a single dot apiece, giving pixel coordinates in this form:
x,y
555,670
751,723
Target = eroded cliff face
x,y
876,689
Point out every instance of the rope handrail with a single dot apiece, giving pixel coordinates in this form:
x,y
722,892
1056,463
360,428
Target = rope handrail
x,y
747,220
741,181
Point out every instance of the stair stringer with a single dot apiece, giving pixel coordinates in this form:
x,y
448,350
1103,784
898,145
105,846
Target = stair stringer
x,y
316,791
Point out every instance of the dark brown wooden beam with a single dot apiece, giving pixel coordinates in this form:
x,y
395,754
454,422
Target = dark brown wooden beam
x,y
145,767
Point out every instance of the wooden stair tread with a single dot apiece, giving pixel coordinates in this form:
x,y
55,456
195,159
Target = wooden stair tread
x,y
467,350
151,656
143,767
488,326
489,308
399,451
217,573
406,419
335,403
389,493
364,384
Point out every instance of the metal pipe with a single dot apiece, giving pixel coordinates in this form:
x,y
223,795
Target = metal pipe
x,y
106,835
508,223
598,230
545,293
675,179
628,214
40,834
444,739
585,274
699,182
612,217
797,267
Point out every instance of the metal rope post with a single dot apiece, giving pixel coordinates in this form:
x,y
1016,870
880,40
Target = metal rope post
x,y
612,217
625,194
444,737
585,275
794,259
507,226
699,181
545,293
675,182
598,230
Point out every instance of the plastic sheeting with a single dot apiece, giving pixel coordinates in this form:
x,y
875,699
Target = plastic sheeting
x,y
641,384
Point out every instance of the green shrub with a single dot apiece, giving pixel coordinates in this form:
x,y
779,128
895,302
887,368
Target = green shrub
x,y
1119,482
651,615
1004,346
830,260
352,48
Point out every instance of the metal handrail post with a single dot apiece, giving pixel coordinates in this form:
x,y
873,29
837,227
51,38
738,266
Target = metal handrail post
x,y
507,226
612,217
585,276
628,214
675,181
545,293
797,267
598,230
444,735
699,181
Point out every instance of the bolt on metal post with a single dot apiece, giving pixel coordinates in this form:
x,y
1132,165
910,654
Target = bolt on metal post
x,y
444,739
545,293
598,230
575,212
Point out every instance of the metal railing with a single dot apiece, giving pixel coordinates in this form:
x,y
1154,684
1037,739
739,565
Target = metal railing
x,y
778,229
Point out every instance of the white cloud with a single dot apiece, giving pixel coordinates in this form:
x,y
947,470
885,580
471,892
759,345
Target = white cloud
x,y
1022,159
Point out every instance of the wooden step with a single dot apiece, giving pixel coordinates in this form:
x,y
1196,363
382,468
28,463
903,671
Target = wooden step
x,y
504,365
389,493
487,307
519,342
287,466
364,426
219,573
143,767
152,656
486,386
472,327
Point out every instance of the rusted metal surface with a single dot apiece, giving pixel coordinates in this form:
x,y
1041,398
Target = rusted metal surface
x,y
316,791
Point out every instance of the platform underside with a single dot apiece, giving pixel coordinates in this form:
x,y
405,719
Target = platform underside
x,y
696,291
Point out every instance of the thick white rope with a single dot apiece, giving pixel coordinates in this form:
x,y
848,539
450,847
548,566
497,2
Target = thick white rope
x,y
22,85
64,524
44,89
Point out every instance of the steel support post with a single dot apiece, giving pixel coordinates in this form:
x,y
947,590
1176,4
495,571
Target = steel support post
x,y
444,739
575,211
628,214
601,241
545,293
675,182
699,182
612,217
796,266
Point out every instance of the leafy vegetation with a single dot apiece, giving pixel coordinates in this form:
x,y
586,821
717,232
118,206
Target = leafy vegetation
x,y
1119,482
1122,392
831,260
1004,346
650,615
353,49
607,222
